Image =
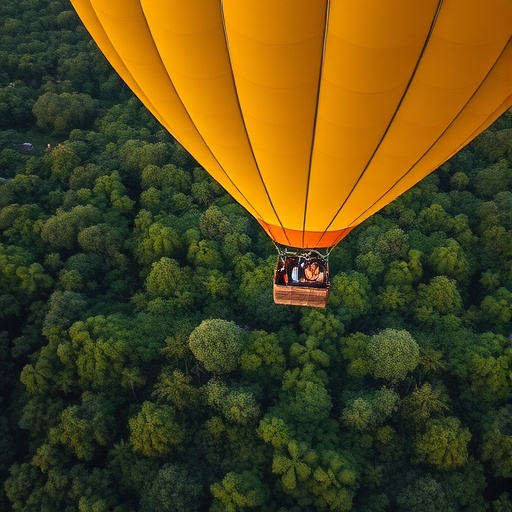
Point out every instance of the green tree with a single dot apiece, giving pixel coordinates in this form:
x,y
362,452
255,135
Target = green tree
x,y
167,177
216,284
105,240
465,487
214,224
425,494
354,351
274,431
450,260
393,298
444,443
205,253
497,443
493,179
110,192
434,218
65,308
63,162
263,358
239,491
423,403
23,479
459,181
392,354
333,482
497,309
309,352
350,295
99,359
369,410
136,155
217,344
254,301
154,431
306,401
392,245
61,230
440,295
295,463
61,112
156,242
33,278
370,264
167,279
237,405
85,427
174,488
177,388
235,245
490,377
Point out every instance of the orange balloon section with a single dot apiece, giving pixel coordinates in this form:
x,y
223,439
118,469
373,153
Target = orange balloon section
x,y
313,115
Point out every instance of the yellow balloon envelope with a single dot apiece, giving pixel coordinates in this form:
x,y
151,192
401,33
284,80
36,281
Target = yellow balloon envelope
x,y
313,114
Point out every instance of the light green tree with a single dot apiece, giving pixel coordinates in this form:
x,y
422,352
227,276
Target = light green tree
x,y
274,431
295,463
217,344
168,279
392,354
309,352
450,260
444,443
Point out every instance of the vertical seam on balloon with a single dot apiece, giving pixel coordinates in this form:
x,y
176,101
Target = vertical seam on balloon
x,y
315,120
400,103
190,118
443,132
221,5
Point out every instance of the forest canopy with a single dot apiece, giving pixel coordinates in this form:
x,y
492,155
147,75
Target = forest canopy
x,y
145,365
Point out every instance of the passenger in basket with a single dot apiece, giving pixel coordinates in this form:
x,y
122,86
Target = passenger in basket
x,y
313,273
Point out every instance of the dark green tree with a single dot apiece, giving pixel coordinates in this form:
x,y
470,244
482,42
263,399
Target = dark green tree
x,y
154,431
444,443
239,491
61,112
174,488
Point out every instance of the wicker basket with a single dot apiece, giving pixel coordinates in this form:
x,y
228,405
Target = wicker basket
x,y
296,295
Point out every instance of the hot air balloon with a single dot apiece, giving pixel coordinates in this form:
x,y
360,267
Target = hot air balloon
x,y
312,114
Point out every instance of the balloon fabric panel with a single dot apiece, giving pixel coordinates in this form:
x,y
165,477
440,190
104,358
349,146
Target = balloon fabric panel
x,y
313,115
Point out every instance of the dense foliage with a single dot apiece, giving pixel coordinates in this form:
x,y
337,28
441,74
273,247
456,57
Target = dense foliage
x,y
144,365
